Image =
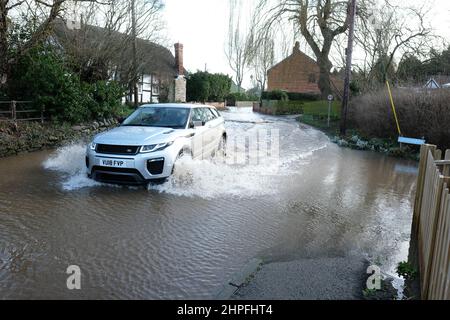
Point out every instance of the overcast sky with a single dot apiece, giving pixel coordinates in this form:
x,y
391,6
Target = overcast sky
x,y
202,25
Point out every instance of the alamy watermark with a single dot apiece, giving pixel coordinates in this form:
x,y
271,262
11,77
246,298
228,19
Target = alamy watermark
x,y
374,280
73,281
244,147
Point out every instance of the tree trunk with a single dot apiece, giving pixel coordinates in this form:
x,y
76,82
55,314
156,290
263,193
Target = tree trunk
x,y
324,78
3,44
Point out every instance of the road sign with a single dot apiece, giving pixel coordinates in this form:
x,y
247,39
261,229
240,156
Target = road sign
x,y
330,97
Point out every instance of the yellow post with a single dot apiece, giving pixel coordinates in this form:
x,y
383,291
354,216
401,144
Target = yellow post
x,y
393,108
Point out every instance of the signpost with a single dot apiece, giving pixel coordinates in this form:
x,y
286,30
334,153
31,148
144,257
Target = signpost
x,y
330,100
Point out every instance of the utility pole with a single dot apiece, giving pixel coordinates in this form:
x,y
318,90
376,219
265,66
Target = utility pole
x,y
348,67
134,61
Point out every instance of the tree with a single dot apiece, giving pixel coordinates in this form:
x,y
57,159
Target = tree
x,y
386,31
197,87
93,62
219,86
319,22
41,12
410,69
124,25
261,57
43,77
237,46
413,69
204,86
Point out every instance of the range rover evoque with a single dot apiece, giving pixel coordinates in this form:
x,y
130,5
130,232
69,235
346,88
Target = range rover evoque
x,y
147,144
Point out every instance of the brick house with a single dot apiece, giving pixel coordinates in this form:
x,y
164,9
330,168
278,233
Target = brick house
x,y
297,73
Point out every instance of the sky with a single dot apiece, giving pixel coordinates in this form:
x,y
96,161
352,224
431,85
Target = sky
x,y
202,26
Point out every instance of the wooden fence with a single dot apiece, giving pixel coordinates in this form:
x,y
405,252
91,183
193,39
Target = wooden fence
x,y
17,111
431,223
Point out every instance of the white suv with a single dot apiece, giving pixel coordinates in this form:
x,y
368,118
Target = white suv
x,y
147,144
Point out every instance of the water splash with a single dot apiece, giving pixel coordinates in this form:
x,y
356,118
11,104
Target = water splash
x,y
212,178
69,161
217,176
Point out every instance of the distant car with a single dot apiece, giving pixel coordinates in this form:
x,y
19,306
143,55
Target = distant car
x,y
447,85
147,144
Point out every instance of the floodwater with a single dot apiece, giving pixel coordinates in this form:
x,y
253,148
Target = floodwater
x,y
186,237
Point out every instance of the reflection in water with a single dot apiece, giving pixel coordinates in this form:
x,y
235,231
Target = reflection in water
x,y
184,238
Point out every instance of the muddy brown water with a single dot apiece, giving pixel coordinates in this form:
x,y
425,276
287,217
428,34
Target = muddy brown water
x,y
186,237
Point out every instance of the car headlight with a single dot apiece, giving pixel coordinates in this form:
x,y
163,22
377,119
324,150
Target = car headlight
x,y
92,146
155,147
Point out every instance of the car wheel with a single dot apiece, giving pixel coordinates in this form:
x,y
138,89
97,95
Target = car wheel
x,y
183,153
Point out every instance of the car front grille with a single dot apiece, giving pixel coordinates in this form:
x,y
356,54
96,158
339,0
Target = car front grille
x,y
116,149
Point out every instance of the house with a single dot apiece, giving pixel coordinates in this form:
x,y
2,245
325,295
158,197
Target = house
x,y
298,73
432,84
438,82
107,54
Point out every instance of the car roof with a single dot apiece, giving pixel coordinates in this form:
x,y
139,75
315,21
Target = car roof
x,y
176,105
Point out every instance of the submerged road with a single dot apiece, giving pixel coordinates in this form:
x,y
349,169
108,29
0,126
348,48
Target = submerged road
x,y
186,237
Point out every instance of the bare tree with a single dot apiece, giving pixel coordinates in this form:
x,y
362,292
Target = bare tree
x,y
42,12
319,22
100,47
387,31
111,41
238,42
261,58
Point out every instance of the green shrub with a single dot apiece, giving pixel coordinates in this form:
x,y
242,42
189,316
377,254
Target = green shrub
x,y
105,99
204,86
283,107
43,77
291,96
320,109
275,95
355,88
231,98
405,270
288,107
296,96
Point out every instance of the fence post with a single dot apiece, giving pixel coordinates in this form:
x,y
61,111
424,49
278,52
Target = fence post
x,y
42,115
446,169
13,110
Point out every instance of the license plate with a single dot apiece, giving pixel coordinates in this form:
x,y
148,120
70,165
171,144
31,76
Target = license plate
x,y
115,163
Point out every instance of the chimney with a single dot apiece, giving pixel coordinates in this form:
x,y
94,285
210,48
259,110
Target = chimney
x,y
296,47
179,59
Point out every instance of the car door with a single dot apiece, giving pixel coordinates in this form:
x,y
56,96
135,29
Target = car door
x,y
201,139
215,125
210,135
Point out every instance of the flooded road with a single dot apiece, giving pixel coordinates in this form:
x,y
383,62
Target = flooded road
x,y
186,237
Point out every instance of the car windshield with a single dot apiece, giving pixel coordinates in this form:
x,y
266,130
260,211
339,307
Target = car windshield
x,y
165,117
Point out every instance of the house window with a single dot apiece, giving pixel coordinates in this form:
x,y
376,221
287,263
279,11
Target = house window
x,y
155,90
155,86
312,78
146,87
